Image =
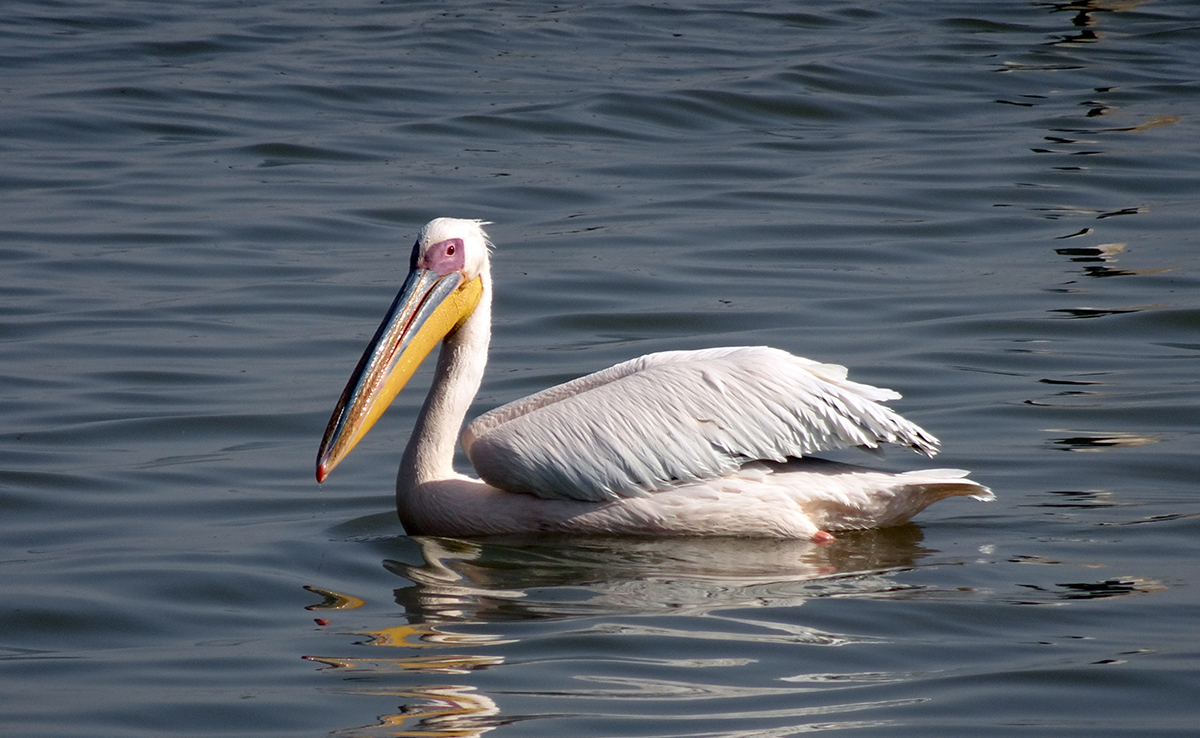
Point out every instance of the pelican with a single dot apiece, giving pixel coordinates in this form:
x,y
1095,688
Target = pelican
x,y
715,442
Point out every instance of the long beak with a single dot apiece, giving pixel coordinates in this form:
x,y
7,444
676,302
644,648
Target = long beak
x,y
429,306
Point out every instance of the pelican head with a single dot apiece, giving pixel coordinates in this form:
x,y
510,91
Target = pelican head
x,y
443,287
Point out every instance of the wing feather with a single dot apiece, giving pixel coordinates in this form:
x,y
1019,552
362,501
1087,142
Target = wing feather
x,y
679,416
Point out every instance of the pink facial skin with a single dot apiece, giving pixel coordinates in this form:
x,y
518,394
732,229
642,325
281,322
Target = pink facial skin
x,y
443,257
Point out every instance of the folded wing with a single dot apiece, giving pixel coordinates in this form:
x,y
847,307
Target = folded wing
x,y
676,417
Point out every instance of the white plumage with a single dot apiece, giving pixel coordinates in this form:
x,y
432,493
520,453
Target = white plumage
x,y
678,416
710,442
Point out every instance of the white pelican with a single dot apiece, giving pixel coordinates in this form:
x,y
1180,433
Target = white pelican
x,y
701,443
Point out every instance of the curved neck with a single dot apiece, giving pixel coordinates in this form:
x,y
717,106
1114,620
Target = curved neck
x,y
429,455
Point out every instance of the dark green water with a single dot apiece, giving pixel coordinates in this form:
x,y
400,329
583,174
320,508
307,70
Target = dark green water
x,y
206,207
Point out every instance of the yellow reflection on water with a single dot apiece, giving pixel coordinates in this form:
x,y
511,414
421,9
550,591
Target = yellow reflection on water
x,y
443,711
456,664
334,600
423,635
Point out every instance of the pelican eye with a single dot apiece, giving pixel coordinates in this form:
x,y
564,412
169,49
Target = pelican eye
x,y
443,257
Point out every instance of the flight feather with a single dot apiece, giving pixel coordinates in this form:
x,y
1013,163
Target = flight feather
x,y
675,417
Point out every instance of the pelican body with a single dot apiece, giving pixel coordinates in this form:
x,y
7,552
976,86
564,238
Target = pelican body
x,y
715,442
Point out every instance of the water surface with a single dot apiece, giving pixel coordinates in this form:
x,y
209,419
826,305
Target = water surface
x,y
206,207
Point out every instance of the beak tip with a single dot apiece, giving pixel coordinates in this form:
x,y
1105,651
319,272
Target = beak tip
x,y
322,473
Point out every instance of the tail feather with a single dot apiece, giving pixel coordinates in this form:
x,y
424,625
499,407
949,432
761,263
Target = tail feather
x,y
936,484
840,496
